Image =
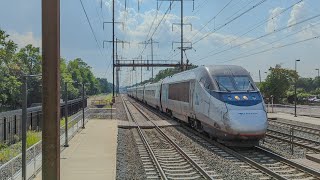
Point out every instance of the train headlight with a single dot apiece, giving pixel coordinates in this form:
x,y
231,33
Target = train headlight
x,y
237,98
229,98
245,97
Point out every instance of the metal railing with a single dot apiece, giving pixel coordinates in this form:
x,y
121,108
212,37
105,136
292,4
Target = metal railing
x,y
12,169
10,121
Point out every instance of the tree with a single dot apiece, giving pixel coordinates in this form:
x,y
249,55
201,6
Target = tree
x,y
105,86
65,76
9,83
81,73
278,82
305,83
29,60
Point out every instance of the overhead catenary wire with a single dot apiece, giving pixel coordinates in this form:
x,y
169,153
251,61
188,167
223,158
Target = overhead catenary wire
x,y
93,33
230,21
273,48
255,26
214,17
262,36
167,11
285,37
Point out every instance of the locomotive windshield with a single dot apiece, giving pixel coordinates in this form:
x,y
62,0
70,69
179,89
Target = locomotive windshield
x,y
234,83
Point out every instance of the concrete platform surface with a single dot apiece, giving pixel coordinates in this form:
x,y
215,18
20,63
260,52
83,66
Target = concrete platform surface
x,y
91,154
310,164
305,119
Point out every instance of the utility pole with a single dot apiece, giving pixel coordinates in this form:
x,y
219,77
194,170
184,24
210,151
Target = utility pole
x,y
24,127
152,59
295,89
115,58
66,114
117,69
141,68
181,29
318,72
113,98
260,76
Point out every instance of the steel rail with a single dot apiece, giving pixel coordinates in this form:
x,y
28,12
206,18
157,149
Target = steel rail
x,y
144,140
310,171
202,171
293,142
299,128
297,137
256,164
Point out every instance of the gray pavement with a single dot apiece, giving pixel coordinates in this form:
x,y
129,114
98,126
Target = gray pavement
x,y
92,152
304,119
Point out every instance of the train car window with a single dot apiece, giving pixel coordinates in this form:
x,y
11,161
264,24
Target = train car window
x,y
243,83
150,93
225,83
179,91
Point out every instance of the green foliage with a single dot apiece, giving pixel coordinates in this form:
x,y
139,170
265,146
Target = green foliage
x,y
9,82
105,86
7,152
15,63
33,137
278,82
81,73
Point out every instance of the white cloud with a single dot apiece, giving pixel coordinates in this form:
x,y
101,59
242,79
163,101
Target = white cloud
x,y
297,12
310,30
24,39
274,19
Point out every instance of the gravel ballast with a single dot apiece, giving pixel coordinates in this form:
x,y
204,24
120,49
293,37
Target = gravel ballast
x,y
129,164
224,167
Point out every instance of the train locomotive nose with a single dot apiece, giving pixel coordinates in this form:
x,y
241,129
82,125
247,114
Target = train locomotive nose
x,y
247,123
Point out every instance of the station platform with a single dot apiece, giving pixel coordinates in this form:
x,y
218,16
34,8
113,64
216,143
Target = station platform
x,y
304,119
91,153
147,124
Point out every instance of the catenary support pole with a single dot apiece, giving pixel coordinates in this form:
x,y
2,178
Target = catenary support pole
x,y
113,50
151,60
295,89
51,89
24,126
117,71
182,67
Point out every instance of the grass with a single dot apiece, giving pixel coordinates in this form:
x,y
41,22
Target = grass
x,y
7,152
108,98
70,123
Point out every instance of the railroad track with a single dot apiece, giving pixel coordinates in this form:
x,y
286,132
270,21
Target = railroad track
x,y
300,128
299,136
162,158
258,161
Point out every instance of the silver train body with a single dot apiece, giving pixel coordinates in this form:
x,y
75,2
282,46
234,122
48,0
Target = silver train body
x,y
221,100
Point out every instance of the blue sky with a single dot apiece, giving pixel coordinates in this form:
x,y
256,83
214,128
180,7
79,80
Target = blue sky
x,y
230,44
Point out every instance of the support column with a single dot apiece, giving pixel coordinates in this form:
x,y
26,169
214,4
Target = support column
x,y
51,89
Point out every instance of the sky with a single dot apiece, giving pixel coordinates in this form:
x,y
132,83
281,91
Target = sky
x,y
255,34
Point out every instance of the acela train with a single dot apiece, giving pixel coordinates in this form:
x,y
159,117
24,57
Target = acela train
x,y
222,101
